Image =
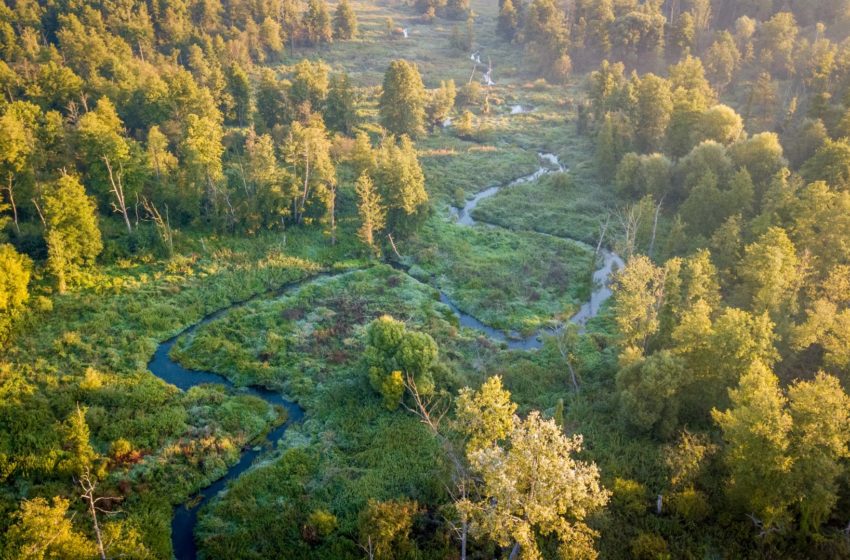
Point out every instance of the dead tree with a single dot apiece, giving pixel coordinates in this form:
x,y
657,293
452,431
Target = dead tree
x,y
89,485
118,191
9,189
162,225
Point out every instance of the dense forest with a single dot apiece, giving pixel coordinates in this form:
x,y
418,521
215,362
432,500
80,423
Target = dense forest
x,y
433,279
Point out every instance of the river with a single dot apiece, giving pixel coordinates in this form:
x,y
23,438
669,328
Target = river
x,y
161,365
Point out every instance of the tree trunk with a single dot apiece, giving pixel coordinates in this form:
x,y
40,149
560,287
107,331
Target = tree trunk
x,y
118,191
514,552
12,202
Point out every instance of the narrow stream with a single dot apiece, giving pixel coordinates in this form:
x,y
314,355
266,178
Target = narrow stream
x,y
161,365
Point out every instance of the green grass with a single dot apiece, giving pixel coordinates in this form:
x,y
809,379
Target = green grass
x,y
508,280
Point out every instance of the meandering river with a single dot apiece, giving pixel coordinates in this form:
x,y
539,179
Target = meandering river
x,y
161,365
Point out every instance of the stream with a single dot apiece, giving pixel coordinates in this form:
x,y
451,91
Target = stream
x,y
162,366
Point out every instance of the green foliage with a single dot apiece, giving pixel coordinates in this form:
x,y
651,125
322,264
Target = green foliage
x,y
403,99
71,230
15,271
345,22
397,358
385,527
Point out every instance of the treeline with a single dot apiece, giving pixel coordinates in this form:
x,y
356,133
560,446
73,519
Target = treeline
x,y
646,34
156,116
732,311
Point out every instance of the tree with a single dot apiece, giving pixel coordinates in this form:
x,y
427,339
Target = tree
x,y
722,61
310,83
239,88
307,152
80,455
638,293
547,36
776,40
316,23
340,106
385,529
402,103
721,124
648,391
71,231
202,149
508,22
401,183
441,102
345,22
17,147
756,432
43,530
15,272
532,486
106,154
771,275
652,112
371,209
397,358
820,410
831,163
485,416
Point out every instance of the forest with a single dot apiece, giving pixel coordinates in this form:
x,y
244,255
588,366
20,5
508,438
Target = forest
x,y
424,279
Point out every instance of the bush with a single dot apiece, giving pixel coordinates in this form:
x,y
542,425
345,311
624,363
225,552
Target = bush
x,y
691,505
648,546
629,496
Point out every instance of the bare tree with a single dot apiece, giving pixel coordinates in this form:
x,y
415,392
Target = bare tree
x,y
118,191
163,226
89,485
9,189
567,339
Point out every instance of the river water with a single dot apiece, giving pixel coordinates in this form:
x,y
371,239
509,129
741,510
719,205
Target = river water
x,y
161,365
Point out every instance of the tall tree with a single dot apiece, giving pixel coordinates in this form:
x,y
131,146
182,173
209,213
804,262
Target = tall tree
x,y
73,237
532,486
401,183
371,209
345,22
14,287
820,410
316,23
307,152
756,431
403,99
340,105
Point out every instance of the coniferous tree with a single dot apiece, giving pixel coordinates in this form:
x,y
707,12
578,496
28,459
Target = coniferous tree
x,y
508,20
340,110
403,99
71,231
345,22
316,23
401,183
371,209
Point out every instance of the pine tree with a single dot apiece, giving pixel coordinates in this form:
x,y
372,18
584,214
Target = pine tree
x,y
340,111
403,99
402,185
371,209
317,23
345,22
71,231
508,20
